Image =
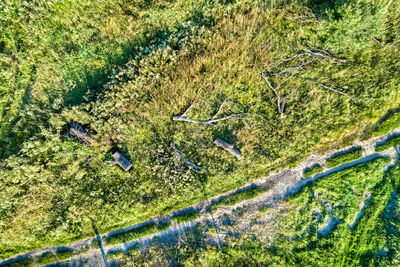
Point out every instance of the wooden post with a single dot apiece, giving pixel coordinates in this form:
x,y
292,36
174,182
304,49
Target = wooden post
x,y
121,160
228,147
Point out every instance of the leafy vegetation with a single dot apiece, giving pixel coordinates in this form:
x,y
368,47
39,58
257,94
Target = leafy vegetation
x,y
126,67
391,142
313,171
339,159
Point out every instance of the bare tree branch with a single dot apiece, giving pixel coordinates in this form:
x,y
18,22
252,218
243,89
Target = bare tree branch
x,y
188,163
326,87
211,121
279,104
292,68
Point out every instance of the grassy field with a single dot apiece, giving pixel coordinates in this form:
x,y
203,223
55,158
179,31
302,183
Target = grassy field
x,y
127,67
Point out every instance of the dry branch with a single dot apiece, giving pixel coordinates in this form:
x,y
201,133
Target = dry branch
x,y
228,147
326,87
188,163
280,104
211,121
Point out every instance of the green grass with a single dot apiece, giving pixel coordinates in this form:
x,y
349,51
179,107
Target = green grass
x,y
187,217
46,259
241,196
388,123
64,254
344,158
392,142
126,68
137,233
313,171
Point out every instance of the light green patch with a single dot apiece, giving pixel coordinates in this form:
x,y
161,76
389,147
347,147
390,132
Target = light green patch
x,y
313,171
344,158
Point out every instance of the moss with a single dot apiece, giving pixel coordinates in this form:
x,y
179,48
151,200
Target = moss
x,y
313,171
344,158
46,259
392,142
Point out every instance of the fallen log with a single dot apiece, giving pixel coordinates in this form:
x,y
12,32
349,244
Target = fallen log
x,y
123,162
228,147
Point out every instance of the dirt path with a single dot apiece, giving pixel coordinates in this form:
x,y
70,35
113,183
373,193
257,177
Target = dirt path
x,y
277,187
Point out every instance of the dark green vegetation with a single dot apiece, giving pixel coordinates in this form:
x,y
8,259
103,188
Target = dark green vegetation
x,y
313,171
45,259
126,67
344,158
391,142
373,241
64,254
233,199
136,233
23,263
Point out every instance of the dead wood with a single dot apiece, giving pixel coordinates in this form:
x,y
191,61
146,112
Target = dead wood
x,y
211,121
228,147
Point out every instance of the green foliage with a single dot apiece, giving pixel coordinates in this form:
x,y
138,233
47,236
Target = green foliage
x,y
344,158
391,142
313,171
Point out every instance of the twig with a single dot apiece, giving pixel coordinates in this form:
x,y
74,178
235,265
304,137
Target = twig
x,y
211,121
191,165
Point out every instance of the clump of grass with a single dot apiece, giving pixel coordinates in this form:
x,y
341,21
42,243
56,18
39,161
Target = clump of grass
x,y
232,200
64,254
187,217
313,170
392,142
344,158
137,233
46,259
115,255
